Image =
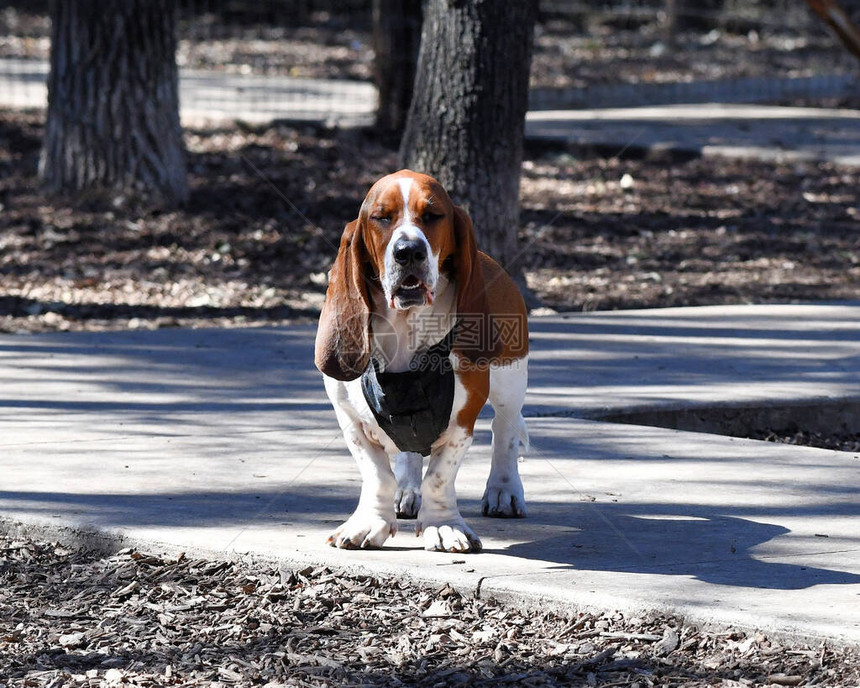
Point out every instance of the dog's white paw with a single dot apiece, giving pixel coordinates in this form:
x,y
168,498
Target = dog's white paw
x,y
363,531
407,502
449,537
504,500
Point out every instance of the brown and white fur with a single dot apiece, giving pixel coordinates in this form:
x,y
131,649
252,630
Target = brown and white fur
x,y
406,270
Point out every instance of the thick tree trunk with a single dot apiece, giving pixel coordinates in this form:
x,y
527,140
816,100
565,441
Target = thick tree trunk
x,y
467,117
396,38
113,104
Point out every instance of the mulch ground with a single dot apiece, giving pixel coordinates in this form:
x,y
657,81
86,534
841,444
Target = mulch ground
x,y
76,618
268,205
841,441
575,46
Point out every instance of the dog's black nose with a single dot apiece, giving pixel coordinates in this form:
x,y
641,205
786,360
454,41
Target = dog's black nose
x,y
408,251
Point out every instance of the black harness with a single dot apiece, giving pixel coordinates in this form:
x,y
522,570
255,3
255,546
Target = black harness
x,y
413,407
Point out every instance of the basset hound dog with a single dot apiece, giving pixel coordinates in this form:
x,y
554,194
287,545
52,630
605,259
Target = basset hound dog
x,y
418,330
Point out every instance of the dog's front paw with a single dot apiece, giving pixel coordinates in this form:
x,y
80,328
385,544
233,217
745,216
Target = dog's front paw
x,y
505,500
407,502
363,531
449,537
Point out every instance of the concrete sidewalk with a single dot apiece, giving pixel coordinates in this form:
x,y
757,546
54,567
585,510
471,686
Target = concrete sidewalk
x,y
222,441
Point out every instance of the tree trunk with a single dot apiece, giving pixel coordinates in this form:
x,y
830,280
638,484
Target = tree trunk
x,y
113,104
396,38
467,117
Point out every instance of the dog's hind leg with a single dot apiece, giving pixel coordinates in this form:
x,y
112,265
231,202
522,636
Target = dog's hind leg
x,y
503,497
407,469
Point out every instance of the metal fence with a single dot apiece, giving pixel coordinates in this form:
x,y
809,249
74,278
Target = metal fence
x,y
312,59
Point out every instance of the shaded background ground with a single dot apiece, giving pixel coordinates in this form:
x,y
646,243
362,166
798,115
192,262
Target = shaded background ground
x,y
576,43
268,205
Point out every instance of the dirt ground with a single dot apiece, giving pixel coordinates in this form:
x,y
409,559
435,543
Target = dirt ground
x,y
76,618
268,205
258,235
575,45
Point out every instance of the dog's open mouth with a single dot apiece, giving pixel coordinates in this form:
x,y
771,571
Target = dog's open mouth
x,y
411,282
411,291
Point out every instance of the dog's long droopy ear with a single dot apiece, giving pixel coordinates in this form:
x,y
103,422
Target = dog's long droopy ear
x,y
343,339
475,338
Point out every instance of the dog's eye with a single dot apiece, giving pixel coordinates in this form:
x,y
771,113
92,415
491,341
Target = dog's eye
x,y
381,219
429,217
